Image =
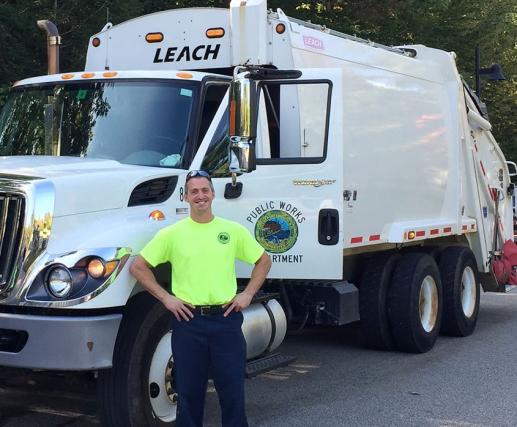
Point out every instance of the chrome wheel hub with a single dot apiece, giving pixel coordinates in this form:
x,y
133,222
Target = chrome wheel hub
x,y
428,303
162,395
468,292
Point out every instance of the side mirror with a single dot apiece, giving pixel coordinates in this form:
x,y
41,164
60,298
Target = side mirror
x,y
243,124
495,72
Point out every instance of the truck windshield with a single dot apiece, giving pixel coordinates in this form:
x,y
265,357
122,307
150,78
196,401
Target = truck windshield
x,y
133,122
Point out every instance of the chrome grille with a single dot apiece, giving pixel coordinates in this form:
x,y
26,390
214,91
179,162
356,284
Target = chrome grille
x,y
12,209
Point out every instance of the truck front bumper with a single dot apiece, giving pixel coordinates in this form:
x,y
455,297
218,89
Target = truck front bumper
x,y
58,343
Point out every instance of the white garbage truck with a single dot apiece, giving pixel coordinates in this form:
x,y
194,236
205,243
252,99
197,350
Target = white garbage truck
x,y
367,172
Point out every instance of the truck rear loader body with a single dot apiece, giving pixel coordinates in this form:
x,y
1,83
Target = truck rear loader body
x,y
368,173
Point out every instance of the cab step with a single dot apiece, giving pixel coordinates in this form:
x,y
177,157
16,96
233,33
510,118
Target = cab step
x,y
267,363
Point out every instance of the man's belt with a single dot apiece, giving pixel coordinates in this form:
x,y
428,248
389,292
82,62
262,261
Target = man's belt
x,y
208,310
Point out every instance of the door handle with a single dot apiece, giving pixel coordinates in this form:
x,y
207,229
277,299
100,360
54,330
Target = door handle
x,y
328,226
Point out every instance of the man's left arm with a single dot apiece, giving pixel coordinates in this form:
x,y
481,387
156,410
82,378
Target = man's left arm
x,y
258,276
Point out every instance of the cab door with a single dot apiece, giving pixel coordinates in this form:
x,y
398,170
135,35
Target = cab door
x,y
292,203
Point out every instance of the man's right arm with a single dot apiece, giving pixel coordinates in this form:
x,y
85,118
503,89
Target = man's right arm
x,y
142,272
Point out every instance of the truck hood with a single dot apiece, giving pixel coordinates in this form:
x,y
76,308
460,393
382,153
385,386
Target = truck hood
x,y
83,185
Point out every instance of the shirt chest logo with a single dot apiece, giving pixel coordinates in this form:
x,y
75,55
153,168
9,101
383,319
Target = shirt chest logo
x,y
223,237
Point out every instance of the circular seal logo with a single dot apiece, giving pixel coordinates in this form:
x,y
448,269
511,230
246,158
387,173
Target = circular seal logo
x,y
223,237
276,231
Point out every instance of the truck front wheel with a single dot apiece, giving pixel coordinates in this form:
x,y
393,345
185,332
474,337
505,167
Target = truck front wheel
x,y
139,389
460,282
415,303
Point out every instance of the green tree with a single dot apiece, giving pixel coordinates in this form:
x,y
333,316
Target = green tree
x,y
23,52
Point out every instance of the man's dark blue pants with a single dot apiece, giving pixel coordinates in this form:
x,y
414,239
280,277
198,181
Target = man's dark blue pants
x,y
209,346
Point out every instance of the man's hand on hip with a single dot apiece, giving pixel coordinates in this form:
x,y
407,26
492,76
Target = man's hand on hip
x,y
239,302
258,275
179,308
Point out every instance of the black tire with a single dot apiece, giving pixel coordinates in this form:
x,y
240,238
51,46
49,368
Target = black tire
x,y
123,392
460,282
373,300
415,303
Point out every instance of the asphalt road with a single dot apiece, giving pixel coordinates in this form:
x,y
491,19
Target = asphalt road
x,y
335,382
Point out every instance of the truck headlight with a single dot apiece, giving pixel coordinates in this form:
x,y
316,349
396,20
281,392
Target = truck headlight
x,y
76,277
59,282
96,268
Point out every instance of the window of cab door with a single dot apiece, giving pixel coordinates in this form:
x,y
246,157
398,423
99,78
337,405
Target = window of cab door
x,y
293,121
212,97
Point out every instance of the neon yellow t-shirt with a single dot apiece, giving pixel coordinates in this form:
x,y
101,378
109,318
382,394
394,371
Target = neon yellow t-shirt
x,y
203,256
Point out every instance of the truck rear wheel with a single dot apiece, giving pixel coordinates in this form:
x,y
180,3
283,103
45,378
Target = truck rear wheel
x,y
373,300
459,274
139,389
415,303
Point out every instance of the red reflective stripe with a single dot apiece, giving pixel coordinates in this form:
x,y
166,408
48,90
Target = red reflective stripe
x,y
356,240
493,193
482,167
464,228
447,229
374,237
473,226
420,233
434,231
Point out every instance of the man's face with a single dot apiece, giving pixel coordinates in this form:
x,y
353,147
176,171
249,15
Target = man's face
x,y
199,195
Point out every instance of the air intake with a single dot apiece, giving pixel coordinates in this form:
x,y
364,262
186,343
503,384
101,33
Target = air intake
x,y
153,191
12,209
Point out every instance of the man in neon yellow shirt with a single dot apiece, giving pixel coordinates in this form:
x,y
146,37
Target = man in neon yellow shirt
x,y
207,336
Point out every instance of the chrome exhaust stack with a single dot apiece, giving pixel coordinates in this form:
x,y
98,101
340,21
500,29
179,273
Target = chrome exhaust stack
x,y
53,42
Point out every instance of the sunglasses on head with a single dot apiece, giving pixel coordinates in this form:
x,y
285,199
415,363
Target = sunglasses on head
x,y
194,174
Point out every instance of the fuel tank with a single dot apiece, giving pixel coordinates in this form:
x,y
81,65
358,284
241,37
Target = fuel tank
x,y
264,327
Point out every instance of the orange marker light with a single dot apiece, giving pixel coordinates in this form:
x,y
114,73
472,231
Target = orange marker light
x,y
280,28
110,267
184,75
215,33
157,215
67,76
96,42
154,37
87,75
411,235
109,74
